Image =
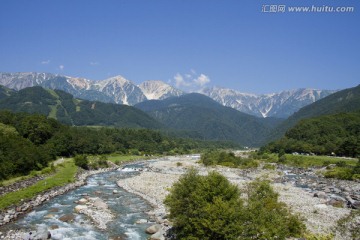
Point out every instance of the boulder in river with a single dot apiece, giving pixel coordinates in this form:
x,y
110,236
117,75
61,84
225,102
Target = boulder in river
x,y
321,195
38,235
153,229
67,218
80,208
82,201
158,235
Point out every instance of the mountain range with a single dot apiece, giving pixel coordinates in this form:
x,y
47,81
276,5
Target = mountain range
x,y
62,106
198,113
122,91
344,101
192,113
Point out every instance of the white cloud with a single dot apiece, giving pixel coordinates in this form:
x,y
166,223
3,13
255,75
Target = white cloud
x,y
180,81
94,63
202,80
191,82
61,67
45,62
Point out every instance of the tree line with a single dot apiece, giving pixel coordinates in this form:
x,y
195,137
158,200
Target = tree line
x,y
30,141
329,134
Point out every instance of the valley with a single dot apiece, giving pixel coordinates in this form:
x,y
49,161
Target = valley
x,y
315,198
93,191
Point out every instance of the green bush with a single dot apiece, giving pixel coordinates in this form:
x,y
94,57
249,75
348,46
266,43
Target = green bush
x,y
227,159
266,217
339,173
341,164
81,161
210,207
356,169
269,166
205,207
282,159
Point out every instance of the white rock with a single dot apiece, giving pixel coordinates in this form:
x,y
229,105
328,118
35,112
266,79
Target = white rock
x,y
83,201
80,208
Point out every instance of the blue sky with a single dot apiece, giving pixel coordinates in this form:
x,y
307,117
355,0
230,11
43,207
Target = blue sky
x,y
191,43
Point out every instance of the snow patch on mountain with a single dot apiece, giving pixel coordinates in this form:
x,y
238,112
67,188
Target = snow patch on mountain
x,y
154,89
122,91
280,105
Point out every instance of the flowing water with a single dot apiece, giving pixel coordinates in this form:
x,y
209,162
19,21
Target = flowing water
x,y
128,208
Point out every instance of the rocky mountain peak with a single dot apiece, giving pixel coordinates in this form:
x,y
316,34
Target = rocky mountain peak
x,y
155,89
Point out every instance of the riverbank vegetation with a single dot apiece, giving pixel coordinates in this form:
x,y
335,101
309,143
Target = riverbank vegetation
x,y
325,135
210,207
64,173
29,142
340,168
228,159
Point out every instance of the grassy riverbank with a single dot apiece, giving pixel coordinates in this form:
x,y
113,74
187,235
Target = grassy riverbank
x,y
65,173
306,161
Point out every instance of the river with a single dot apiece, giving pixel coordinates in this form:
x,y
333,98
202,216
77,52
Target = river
x,y
127,208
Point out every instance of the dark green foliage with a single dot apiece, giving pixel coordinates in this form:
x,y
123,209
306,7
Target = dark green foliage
x,y
210,207
345,173
339,134
29,142
37,128
205,207
68,110
5,92
356,169
201,114
81,161
226,159
347,100
266,217
19,156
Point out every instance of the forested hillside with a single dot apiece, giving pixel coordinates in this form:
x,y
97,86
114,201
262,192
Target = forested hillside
x,y
339,134
28,142
347,100
5,92
68,110
201,114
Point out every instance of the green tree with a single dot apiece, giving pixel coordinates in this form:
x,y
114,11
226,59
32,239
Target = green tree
x,y
205,207
81,161
266,217
210,207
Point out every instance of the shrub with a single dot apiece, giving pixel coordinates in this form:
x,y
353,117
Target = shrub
x,y
339,173
341,164
356,169
205,207
227,159
81,161
326,163
266,217
269,166
210,207
282,159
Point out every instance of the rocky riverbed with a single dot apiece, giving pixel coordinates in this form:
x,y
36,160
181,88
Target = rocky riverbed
x,y
321,202
94,205
12,213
